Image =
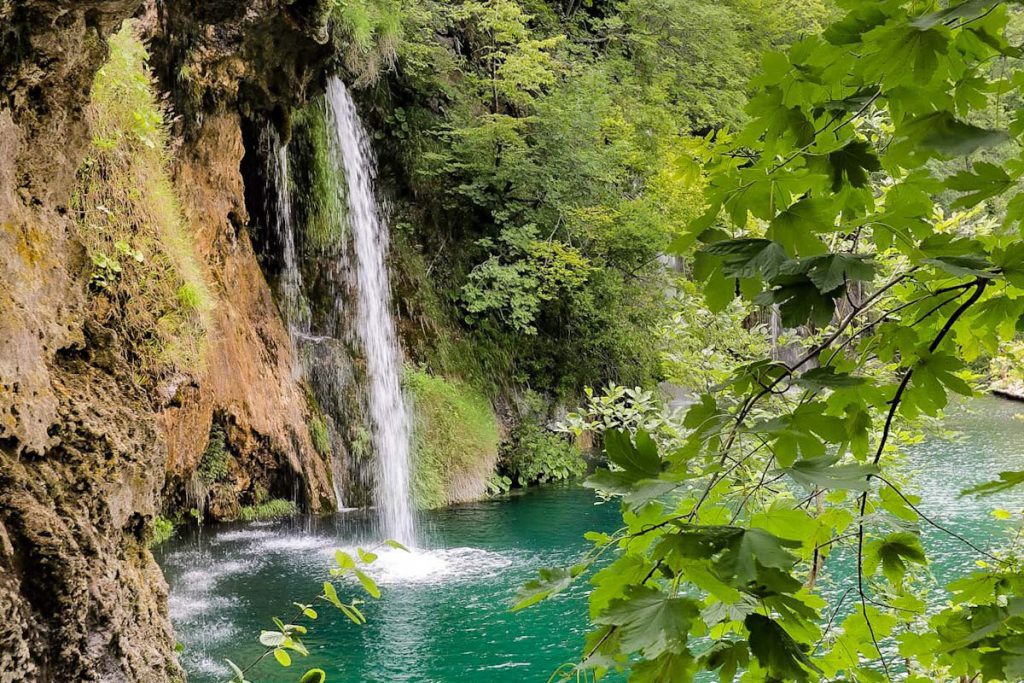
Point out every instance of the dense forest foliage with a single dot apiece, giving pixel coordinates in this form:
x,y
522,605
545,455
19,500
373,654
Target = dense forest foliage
x,y
547,152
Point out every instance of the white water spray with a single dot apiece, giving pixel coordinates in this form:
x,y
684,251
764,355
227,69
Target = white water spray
x,y
389,416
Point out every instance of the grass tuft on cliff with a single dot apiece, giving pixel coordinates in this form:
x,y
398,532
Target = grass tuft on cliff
x,y
455,440
146,281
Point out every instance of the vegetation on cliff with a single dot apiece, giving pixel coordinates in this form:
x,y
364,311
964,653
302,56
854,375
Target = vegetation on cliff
x,y
145,280
542,149
455,440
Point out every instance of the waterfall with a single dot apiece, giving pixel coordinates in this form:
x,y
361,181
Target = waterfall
x,y
290,293
290,284
353,157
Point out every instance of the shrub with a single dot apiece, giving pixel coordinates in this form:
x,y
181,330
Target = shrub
x,y
455,439
536,455
272,509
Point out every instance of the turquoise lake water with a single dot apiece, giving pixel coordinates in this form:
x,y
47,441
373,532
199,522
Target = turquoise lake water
x,y
444,614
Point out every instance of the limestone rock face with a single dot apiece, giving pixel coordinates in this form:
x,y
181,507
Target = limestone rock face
x,y
85,451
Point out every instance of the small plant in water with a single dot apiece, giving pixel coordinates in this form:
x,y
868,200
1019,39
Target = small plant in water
x,y
285,639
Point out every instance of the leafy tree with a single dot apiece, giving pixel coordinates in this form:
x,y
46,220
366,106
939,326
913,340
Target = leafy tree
x,y
549,150
828,204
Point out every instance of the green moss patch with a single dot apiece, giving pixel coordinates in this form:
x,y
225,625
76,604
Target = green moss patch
x,y
146,280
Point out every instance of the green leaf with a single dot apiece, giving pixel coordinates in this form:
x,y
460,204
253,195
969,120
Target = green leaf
x,y
827,377
650,621
1007,481
829,272
282,657
1010,262
331,594
916,52
640,460
271,638
238,676
824,473
776,651
396,545
669,666
344,560
893,553
314,676
987,180
608,481
796,227
960,10
369,585
550,581
852,164
728,656
943,134
799,301
963,266
739,557
749,257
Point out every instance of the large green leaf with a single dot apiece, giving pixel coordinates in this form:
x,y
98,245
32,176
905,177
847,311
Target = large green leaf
x,y
852,164
825,473
985,181
1007,481
829,272
893,553
800,301
796,227
943,134
549,581
651,621
728,657
750,257
957,10
639,459
776,651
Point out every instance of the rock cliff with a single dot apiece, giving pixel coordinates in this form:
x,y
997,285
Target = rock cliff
x,y
90,442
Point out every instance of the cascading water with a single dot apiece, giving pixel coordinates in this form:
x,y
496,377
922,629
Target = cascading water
x,y
290,291
390,424
290,284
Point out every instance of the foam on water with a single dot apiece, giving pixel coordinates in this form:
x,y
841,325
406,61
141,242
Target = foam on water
x,y
192,606
247,534
419,566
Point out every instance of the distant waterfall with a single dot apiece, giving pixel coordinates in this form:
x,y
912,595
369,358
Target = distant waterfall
x,y
389,416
